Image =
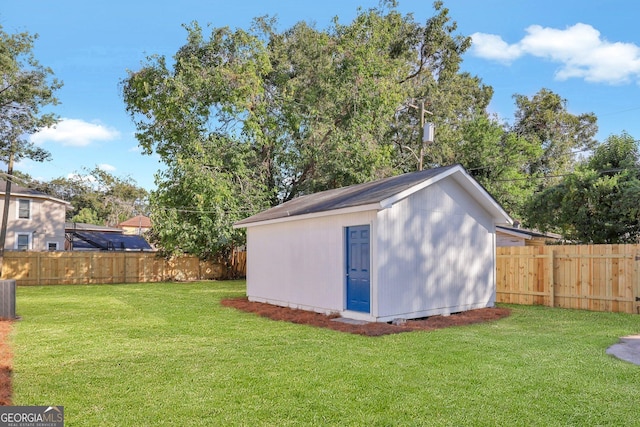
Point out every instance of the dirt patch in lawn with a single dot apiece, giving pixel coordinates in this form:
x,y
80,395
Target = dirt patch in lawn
x,y
6,363
369,329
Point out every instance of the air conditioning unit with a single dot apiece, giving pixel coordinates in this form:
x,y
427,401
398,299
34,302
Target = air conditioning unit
x,y
7,299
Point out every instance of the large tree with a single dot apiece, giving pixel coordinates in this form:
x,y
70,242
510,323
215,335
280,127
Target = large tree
x,y
26,87
498,159
298,111
514,161
199,197
544,120
599,202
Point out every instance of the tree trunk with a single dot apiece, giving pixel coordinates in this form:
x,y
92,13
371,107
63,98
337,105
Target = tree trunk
x,y
5,211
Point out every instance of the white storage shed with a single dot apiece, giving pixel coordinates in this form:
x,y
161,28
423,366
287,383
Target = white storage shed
x,y
409,246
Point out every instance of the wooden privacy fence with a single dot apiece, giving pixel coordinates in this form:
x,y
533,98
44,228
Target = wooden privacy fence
x,y
53,268
589,277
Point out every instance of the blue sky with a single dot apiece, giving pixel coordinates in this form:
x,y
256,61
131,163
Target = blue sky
x,y
586,51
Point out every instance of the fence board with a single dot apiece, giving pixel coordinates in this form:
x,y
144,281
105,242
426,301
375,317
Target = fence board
x,y
53,268
589,277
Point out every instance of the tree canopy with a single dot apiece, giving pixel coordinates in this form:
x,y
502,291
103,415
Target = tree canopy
x,y
498,159
598,203
26,87
545,121
514,161
97,197
246,119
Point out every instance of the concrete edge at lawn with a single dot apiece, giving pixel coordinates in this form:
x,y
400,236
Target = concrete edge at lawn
x,y
628,349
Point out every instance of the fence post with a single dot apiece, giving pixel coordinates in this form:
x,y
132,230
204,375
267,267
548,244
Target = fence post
x,y
91,256
636,282
38,265
552,290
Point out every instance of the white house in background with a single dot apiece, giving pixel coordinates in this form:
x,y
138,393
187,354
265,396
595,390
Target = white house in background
x,y
410,246
36,220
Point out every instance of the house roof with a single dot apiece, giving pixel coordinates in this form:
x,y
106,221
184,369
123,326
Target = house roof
x,y
376,195
18,190
526,233
81,226
137,221
109,241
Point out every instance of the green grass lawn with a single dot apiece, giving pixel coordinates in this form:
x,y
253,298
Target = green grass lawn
x,y
170,354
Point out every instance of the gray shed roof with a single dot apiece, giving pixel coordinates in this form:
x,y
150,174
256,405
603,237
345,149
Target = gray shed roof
x,y
377,194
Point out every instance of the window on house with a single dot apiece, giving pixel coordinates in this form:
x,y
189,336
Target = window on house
x,y
23,242
24,208
52,246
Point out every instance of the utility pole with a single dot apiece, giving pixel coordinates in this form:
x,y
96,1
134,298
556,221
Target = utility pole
x,y
427,132
422,144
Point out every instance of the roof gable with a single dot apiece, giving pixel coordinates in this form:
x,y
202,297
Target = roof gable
x,y
136,221
375,195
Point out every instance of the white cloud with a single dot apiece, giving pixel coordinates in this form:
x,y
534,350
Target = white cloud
x,y
76,133
106,167
580,50
490,46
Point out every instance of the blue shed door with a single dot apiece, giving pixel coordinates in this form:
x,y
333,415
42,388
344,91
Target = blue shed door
x,y
358,267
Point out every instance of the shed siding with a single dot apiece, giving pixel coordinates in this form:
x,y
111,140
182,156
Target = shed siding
x,y
442,219
300,263
503,239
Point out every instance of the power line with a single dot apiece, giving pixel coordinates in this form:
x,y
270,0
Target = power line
x,y
529,178
620,111
189,209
